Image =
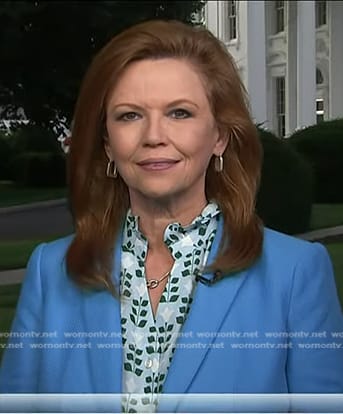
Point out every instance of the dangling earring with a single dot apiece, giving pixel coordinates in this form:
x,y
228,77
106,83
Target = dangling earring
x,y
219,163
111,171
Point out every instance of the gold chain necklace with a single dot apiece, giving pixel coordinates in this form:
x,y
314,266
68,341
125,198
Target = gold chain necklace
x,y
153,283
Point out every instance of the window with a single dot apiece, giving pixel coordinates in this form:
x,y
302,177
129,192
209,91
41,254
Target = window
x,y
232,19
319,77
320,13
320,110
280,106
279,16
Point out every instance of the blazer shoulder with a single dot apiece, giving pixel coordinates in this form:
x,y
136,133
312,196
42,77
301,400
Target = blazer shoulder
x,y
276,242
56,248
286,253
49,257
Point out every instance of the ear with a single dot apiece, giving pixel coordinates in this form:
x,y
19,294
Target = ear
x,y
107,148
221,144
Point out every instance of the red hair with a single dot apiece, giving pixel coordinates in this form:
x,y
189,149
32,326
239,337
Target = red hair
x,y
99,204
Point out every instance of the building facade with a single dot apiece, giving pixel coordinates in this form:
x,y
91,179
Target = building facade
x,y
289,55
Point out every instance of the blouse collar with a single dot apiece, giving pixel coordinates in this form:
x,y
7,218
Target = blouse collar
x,y
175,231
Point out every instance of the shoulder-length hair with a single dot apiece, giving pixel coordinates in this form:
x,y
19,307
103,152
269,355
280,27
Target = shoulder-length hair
x,y
99,204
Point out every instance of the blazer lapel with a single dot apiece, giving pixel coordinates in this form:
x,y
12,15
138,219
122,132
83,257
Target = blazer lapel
x,y
210,306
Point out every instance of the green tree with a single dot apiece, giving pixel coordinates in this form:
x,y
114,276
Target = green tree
x,y
46,47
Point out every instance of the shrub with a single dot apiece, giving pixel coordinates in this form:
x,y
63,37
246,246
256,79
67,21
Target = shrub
x,y
285,197
322,146
38,169
6,153
33,138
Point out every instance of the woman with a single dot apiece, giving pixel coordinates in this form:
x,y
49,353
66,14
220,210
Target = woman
x,y
170,283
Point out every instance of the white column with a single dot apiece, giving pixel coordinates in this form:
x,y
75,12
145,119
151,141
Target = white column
x,y
256,60
306,64
212,16
336,58
291,73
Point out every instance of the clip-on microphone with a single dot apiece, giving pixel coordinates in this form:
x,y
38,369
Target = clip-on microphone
x,y
209,282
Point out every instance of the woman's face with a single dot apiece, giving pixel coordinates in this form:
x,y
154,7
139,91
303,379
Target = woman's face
x,y
161,132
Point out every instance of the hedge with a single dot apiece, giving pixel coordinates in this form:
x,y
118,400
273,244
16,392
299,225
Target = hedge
x,y
322,146
285,197
38,169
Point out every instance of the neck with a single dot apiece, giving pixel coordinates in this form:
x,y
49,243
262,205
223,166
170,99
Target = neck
x,y
156,215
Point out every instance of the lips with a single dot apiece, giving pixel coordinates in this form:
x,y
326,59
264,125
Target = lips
x,y
157,163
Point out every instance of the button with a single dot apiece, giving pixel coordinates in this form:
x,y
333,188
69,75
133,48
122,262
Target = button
x,y
148,363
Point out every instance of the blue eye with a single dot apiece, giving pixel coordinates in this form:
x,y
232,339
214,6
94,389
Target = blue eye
x,y
128,116
180,113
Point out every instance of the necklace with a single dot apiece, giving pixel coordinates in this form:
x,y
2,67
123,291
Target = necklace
x,y
153,283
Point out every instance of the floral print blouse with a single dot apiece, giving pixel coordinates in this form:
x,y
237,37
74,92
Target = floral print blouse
x,y
149,341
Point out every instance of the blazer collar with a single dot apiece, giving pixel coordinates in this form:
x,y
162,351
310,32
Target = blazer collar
x,y
210,306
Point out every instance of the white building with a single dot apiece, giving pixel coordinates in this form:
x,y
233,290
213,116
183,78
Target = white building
x,y
289,54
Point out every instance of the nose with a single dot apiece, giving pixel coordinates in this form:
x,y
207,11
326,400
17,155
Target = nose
x,y
154,133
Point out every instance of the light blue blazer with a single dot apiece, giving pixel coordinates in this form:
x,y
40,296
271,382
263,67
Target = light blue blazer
x,y
269,329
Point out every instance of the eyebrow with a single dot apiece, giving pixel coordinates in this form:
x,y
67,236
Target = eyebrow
x,y
170,104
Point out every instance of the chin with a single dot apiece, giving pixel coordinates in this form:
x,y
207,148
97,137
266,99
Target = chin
x,y
161,194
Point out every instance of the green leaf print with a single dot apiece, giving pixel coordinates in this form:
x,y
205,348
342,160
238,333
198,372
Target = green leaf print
x,y
126,293
128,366
174,289
151,339
144,303
173,298
147,389
202,231
138,361
138,372
150,350
129,357
142,323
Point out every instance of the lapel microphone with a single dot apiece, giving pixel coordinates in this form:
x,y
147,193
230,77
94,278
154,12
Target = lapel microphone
x,y
209,282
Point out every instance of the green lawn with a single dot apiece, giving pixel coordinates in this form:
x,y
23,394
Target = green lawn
x,y
15,254
326,215
10,195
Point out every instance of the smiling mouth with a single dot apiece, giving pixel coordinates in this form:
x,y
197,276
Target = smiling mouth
x,y
157,164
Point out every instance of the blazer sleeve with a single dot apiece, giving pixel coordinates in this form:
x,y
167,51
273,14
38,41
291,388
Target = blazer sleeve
x,y
19,370
315,320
